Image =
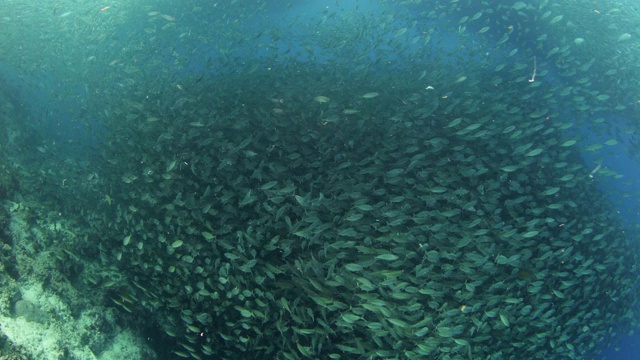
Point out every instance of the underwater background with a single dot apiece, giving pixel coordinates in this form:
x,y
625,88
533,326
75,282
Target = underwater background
x,y
452,179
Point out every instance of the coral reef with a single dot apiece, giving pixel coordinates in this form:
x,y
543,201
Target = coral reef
x,y
48,308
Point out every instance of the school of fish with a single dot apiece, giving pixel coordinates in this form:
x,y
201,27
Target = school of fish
x,y
345,184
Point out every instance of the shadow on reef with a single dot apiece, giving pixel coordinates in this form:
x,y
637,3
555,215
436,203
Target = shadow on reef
x,y
7,259
8,182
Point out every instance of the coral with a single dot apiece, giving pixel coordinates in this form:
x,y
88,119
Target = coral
x,y
8,351
62,336
98,328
